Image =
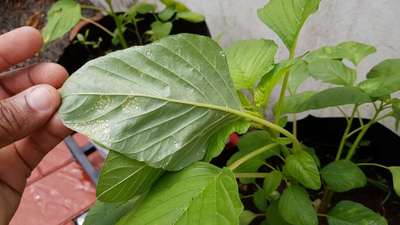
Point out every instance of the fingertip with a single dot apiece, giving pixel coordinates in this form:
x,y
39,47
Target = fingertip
x,y
49,73
34,34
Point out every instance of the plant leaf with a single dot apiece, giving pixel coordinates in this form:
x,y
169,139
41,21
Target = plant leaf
x,y
396,111
381,86
248,143
144,8
260,200
167,13
249,60
217,142
191,16
327,98
109,213
123,178
274,217
61,18
352,213
395,170
160,30
297,75
287,17
343,175
332,71
179,197
268,82
302,167
247,217
353,51
159,104
388,67
296,207
271,182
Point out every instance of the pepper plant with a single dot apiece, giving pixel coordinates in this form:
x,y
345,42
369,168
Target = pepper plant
x,y
165,110
65,14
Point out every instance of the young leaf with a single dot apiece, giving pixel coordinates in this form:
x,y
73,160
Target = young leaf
x,y
123,178
271,182
327,98
269,81
167,13
109,213
191,16
248,143
260,200
217,142
395,170
247,217
274,217
159,104
353,51
348,212
61,18
388,67
296,207
302,167
249,60
144,8
332,71
179,197
287,17
343,175
298,74
159,30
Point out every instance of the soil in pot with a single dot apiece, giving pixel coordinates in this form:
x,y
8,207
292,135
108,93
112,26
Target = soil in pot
x,y
76,54
380,145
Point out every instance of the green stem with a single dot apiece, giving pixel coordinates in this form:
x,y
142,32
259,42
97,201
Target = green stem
x,y
363,131
251,175
119,25
251,155
373,164
137,32
344,137
98,25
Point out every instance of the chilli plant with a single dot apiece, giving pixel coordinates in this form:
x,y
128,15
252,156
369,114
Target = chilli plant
x,y
165,110
66,14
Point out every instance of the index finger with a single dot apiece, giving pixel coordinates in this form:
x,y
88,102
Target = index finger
x,y
18,45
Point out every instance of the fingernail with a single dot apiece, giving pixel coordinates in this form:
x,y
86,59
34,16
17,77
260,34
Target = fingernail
x,y
39,99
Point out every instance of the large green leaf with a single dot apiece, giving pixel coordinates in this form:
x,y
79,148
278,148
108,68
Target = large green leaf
x,y
123,178
287,17
395,170
61,18
249,60
296,207
273,215
332,71
269,81
388,67
199,194
353,51
248,143
159,103
327,98
302,167
343,175
352,213
109,213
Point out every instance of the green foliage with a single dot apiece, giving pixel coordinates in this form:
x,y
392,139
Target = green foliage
x,y
260,200
332,71
247,217
162,129
250,60
298,74
123,178
343,175
395,170
296,207
271,182
179,197
190,16
387,68
159,30
302,168
61,18
348,212
274,216
286,18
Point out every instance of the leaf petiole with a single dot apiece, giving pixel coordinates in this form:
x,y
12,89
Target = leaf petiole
x,y
251,155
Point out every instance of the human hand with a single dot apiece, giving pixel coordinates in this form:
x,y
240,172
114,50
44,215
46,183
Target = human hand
x,y
28,125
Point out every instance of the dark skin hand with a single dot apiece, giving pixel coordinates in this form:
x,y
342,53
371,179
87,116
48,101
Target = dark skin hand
x,y
29,127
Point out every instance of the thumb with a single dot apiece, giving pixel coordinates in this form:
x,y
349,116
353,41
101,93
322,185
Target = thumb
x,y
26,112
